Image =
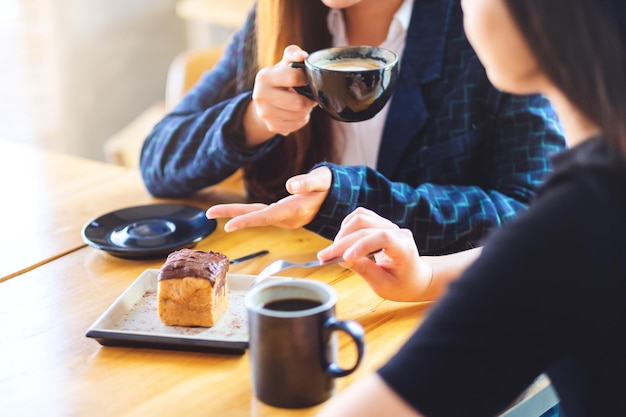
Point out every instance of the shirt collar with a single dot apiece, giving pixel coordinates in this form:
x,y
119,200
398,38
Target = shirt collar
x,y
403,15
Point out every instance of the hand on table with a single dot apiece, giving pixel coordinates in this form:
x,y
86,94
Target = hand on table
x,y
308,192
398,273
276,108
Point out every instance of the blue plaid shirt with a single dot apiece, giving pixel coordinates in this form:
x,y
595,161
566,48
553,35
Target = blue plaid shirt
x,y
457,157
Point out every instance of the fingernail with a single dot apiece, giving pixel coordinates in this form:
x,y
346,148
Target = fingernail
x,y
293,54
296,186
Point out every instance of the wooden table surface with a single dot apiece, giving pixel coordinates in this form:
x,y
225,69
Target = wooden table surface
x,y
53,288
51,367
50,196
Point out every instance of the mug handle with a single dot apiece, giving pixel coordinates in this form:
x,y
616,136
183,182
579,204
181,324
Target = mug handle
x,y
356,332
304,90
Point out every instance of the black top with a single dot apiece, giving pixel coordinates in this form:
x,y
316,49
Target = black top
x,y
547,295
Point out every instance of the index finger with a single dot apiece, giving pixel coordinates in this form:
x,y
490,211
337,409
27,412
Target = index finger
x,y
273,214
233,210
362,218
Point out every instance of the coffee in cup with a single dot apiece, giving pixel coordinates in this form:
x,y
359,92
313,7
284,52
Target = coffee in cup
x,y
351,83
292,342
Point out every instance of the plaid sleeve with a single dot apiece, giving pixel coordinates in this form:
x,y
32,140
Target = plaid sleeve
x,y
198,144
453,215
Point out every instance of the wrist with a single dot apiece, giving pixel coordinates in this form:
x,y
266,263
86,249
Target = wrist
x,y
255,130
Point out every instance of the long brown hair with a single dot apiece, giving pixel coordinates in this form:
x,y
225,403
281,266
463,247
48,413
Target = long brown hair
x,y
579,46
280,23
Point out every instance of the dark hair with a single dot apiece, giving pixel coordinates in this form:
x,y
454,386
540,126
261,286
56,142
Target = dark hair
x,y
280,23
579,46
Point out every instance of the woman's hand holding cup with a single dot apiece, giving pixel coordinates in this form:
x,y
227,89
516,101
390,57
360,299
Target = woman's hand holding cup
x,y
276,108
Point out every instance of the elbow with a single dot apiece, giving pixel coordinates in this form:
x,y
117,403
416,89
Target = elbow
x,y
157,186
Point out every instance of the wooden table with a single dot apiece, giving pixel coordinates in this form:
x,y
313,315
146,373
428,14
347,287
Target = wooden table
x,y
50,196
46,197
51,368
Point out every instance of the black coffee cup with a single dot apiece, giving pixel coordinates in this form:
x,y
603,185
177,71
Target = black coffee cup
x,y
351,83
292,342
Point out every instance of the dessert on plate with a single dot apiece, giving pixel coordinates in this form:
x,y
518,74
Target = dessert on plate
x,y
192,289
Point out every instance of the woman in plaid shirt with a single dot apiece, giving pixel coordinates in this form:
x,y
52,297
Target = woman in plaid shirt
x,y
450,157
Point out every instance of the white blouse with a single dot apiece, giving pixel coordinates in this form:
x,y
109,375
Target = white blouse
x,y
357,143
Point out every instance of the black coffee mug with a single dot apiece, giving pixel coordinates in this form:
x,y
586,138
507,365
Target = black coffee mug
x,y
351,83
292,342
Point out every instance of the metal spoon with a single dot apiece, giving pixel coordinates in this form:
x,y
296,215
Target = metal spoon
x,y
281,264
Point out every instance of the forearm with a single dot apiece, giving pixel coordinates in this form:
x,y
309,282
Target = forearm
x,y
186,152
445,269
443,218
368,397
199,143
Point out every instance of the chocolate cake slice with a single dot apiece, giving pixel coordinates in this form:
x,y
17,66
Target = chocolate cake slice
x,y
192,288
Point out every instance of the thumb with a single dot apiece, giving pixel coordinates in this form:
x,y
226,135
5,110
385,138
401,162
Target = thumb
x,y
294,53
320,179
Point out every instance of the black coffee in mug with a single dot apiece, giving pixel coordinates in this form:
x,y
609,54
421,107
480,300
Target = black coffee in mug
x,y
292,342
292,304
351,83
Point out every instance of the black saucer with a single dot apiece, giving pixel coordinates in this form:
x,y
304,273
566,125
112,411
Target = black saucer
x,y
148,232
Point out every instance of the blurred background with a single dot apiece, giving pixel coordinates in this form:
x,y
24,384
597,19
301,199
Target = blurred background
x,y
74,73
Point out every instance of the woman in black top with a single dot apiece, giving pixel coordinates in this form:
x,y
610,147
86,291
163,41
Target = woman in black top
x,y
548,292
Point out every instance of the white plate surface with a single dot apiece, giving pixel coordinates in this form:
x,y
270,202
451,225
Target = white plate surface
x,y
132,320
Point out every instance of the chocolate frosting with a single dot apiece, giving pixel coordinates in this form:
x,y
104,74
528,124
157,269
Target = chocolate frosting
x,y
194,263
